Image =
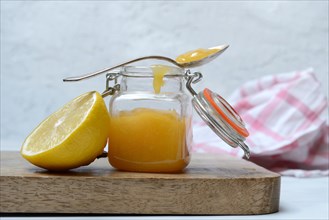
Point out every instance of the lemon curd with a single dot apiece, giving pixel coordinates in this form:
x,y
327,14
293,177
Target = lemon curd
x,y
158,73
149,139
195,55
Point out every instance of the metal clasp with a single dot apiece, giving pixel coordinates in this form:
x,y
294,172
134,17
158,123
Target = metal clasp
x,y
108,89
192,78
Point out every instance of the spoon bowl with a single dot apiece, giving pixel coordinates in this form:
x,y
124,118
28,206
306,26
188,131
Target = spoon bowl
x,y
218,50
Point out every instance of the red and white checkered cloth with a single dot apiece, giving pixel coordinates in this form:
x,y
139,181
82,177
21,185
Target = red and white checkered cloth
x,y
287,118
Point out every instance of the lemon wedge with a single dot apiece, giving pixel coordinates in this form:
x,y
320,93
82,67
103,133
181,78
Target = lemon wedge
x,y
73,136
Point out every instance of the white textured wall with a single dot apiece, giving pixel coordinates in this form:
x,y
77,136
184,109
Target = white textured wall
x,y
44,41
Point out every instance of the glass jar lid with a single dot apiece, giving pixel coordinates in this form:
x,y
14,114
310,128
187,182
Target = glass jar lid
x,y
219,115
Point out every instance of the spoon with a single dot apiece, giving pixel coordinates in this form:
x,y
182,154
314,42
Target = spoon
x,y
187,60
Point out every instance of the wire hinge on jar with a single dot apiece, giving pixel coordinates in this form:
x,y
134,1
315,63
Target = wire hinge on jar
x,y
192,78
108,89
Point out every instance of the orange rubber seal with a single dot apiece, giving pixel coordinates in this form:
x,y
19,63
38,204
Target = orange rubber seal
x,y
241,130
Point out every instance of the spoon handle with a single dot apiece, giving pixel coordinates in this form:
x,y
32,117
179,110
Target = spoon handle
x,y
89,75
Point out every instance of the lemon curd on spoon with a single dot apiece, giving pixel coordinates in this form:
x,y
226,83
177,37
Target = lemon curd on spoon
x,y
196,55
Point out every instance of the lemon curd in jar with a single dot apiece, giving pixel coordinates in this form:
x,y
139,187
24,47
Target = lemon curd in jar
x,y
150,129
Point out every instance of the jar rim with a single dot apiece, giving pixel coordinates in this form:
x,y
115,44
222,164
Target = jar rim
x,y
146,71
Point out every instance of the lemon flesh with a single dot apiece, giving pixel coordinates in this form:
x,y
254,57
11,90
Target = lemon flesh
x,y
71,137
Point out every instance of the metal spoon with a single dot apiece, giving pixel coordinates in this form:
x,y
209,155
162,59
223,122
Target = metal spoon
x,y
191,64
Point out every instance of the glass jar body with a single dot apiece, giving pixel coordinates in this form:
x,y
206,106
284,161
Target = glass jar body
x,y
150,132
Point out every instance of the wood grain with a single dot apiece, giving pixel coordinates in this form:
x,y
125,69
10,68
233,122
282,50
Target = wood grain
x,y
212,184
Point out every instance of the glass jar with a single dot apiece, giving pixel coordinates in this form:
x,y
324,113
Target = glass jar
x,y
150,130
150,112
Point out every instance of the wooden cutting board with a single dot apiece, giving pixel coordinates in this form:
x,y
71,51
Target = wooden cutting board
x,y
212,184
